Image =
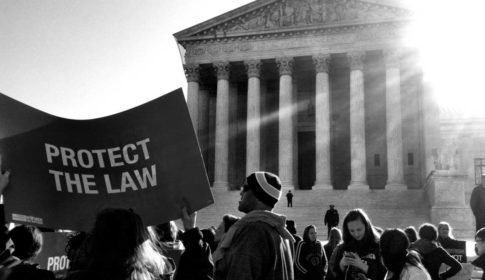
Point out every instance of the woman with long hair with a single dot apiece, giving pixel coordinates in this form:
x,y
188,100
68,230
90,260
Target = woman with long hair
x,y
335,238
358,257
120,248
445,235
310,259
401,263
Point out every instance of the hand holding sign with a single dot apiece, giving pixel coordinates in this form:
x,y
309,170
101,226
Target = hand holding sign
x,y
4,177
189,220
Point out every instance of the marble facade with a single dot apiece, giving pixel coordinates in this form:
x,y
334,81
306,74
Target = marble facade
x,y
321,92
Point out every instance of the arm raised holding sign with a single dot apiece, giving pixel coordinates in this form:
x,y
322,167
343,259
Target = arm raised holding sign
x,y
4,177
196,261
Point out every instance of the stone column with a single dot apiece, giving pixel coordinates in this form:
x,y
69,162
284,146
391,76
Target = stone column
x,y
357,122
221,178
253,122
322,123
395,168
285,117
192,74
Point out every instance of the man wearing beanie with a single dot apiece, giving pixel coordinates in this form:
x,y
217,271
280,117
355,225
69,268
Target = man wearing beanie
x,y
258,246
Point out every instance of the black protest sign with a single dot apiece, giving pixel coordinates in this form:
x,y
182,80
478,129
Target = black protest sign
x,y
65,171
455,248
53,254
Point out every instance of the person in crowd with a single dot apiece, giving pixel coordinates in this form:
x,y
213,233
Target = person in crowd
x,y
258,246
167,239
208,236
480,249
333,241
457,248
433,255
227,221
120,248
76,251
411,233
358,257
401,263
291,227
477,204
331,218
289,198
4,177
27,244
196,261
310,259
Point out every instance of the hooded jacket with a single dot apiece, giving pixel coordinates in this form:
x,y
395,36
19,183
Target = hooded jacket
x,y
310,260
433,256
256,247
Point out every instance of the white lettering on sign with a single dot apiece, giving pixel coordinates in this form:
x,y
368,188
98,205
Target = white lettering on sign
x,y
85,183
115,156
57,263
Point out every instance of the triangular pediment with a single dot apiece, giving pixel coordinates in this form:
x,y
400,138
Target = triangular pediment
x,y
270,16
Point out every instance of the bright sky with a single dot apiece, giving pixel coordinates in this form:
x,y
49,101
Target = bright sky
x,y
92,58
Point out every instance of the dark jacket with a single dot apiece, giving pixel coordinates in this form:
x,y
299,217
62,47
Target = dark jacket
x,y
196,261
12,268
477,204
433,256
310,260
331,217
370,254
256,247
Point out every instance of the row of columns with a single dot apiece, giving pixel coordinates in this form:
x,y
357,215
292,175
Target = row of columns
x,y
286,155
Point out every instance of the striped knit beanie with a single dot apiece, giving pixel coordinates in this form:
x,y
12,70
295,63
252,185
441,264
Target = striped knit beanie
x,y
266,187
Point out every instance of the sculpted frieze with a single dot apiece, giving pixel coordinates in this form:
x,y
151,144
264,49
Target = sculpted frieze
x,y
234,48
301,13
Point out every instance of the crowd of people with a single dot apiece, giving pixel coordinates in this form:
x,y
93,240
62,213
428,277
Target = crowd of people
x,y
259,245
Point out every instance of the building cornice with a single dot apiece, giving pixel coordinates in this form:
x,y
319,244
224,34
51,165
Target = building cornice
x,y
270,18
293,32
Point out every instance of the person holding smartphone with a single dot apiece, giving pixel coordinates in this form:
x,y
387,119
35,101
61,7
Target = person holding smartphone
x,y
358,257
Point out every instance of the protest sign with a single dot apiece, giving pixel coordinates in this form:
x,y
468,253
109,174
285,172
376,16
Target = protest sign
x,y
53,254
455,248
65,171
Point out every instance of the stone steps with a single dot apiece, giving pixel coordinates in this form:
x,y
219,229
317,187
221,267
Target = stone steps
x,y
386,208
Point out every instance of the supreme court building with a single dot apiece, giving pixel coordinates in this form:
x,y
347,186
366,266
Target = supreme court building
x,y
323,93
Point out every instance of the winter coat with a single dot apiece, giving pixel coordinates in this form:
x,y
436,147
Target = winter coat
x,y
433,256
310,260
370,254
258,246
13,268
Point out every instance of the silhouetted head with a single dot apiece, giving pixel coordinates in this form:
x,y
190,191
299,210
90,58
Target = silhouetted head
x,y
28,241
428,231
394,244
